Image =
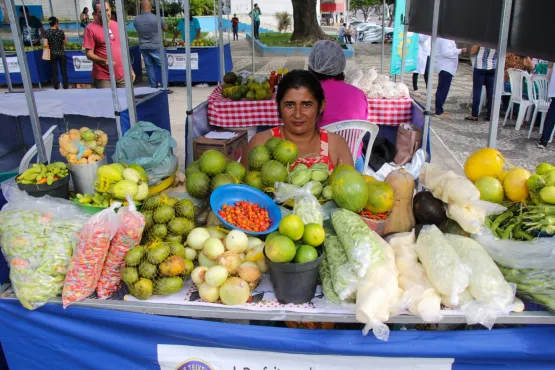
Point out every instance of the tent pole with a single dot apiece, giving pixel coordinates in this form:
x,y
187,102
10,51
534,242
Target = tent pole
x,y
5,64
215,23
221,36
77,17
126,60
252,34
26,77
427,113
499,72
163,57
383,37
189,121
51,8
405,32
110,64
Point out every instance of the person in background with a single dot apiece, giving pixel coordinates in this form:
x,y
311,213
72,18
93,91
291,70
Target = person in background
x,y
54,39
514,61
95,49
31,27
235,27
84,17
341,34
485,63
344,102
301,102
194,29
150,41
447,61
354,32
549,125
255,15
423,67
348,39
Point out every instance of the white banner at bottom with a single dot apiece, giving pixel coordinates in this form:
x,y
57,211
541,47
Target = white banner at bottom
x,y
174,357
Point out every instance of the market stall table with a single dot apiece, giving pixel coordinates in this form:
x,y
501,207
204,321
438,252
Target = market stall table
x,y
38,68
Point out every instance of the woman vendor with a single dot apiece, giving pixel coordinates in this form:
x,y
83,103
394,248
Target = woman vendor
x,y
301,102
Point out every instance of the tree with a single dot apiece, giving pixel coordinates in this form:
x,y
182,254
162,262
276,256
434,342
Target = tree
x,y
306,27
365,6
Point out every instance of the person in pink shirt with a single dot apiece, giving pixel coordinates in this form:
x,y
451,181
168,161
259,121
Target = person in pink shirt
x,y
344,102
95,46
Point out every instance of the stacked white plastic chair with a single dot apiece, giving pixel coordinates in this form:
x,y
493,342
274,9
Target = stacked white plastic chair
x,y
517,77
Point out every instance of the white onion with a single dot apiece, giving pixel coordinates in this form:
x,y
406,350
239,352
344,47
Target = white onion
x,y
216,276
242,256
213,247
215,232
197,237
249,272
229,260
256,254
262,266
236,241
208,293
253,242
205,261
190,253
235,291
198,275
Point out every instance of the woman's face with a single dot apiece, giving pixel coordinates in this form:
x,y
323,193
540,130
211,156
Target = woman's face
x,y
299,111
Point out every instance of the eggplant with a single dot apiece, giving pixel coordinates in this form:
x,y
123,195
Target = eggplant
x,y
428,210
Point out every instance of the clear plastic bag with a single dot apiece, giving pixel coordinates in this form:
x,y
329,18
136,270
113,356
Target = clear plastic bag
x,y
131,226
343,279
37,238
150,147
87,262
306,206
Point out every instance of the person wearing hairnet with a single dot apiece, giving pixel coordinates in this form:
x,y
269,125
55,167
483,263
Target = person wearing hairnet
x,y
344,102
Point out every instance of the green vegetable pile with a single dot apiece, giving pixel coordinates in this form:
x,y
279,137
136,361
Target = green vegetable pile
x,y
519,222
537,285
38,249
43,174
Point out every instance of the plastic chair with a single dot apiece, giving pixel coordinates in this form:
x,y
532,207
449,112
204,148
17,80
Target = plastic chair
x,y
48,139
541,101
353,132
517,76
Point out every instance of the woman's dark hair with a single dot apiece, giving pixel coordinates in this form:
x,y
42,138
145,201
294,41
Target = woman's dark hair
x,y
85,9
321,77
52,21
297,79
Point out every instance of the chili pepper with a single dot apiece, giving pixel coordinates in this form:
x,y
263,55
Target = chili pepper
x,y
518,233
499,220
506,234
246,215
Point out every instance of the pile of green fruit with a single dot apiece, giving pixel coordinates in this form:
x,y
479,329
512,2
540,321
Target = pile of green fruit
x,y
211,171
43,174
119,181
541,184
203,42
317,175
251,90
95,200
73,46
158,269
167,219
269,163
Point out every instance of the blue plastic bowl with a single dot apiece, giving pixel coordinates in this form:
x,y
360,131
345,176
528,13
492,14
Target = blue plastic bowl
x,y
230,194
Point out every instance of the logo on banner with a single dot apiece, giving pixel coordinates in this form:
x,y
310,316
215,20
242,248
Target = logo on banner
x,y
194,364
13,65
81,63
178,61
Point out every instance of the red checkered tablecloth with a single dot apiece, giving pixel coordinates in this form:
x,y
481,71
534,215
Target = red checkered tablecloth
x,y
224,112
234,114
390,112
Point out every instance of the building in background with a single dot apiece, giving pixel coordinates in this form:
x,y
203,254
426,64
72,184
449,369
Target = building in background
x,y
63,9
332,11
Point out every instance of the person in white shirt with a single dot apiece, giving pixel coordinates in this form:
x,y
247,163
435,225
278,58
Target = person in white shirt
x,y
549,125
485,63
423,67
447,61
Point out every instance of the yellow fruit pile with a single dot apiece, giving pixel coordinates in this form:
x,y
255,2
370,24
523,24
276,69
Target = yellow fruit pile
x,y
83,146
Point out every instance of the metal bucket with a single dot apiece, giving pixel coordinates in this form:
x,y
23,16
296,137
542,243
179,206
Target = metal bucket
x,y
84,176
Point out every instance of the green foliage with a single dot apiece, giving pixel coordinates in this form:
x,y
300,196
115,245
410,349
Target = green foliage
x,y
284,21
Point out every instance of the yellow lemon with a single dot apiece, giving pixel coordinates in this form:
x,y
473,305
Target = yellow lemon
x,y
482,163
515,184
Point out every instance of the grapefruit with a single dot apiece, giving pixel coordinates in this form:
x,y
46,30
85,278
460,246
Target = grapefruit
x,y
380,197
515,184
305,253
286,152
272,143
212,162
491,189
313,235
254,180
272,172
257,157
280,249
482,163
292,227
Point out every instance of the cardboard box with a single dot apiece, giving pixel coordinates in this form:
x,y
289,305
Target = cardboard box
x,y
233,148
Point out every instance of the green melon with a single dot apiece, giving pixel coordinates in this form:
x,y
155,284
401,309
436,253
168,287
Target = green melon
x,y
286,152
350,191
222,179
193,168
163,214
171,238
159,231
212,162
185,208
254,180
152,202
236,170
340,168
257,157
198,185
272,172
272,143
180,226
148,219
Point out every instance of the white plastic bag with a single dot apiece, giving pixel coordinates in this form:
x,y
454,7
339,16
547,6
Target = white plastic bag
x,y
306,205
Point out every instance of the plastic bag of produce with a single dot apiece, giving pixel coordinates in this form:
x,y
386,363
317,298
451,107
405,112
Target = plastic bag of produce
x,y
493,296
444,268
306,205
87,262
37,238
419,297
131,226
343,279
150,147
362,245
378,294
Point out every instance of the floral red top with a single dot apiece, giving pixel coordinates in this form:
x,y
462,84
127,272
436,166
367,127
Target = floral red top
x,y
324,156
